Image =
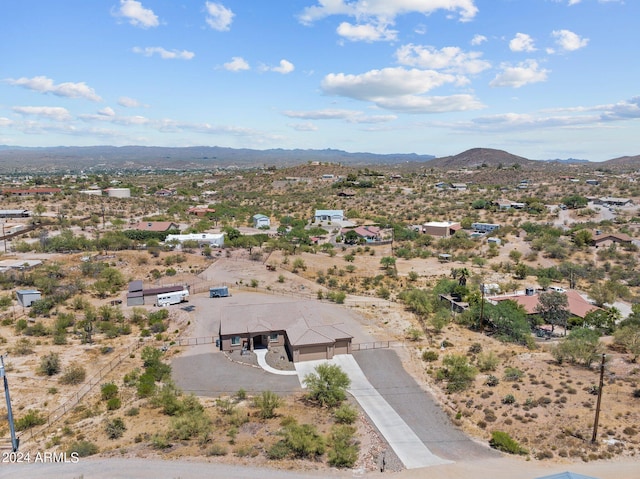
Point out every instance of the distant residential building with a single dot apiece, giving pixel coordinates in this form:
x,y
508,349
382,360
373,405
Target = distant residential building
x,y
165,192
369,233
212,239
592,182
601,239
91,192
30,191
610,200
576,304
503,204
459,186
118,192
200,211
441,229
484,227
158,226
494,240
15,213
260,221
441,184
329,215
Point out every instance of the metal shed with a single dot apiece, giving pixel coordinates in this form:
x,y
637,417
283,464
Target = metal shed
x,y
27,296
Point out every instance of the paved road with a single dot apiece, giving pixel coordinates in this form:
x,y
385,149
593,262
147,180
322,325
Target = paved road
x,y
417,407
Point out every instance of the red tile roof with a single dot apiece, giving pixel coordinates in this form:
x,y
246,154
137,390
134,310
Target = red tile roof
x,y
577,305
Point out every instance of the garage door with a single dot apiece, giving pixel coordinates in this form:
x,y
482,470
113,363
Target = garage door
x,y
342,347
310,353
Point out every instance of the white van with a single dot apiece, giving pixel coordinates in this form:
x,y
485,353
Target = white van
x,y
557,289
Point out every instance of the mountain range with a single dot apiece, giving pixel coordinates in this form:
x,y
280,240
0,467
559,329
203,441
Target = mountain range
x,y
48,159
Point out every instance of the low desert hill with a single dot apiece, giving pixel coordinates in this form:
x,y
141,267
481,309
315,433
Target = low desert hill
x,y
476,157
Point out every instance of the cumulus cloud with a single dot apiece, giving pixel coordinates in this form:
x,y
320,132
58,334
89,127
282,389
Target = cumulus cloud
x,y
108,111
307,126
478,40
522,74
128,102
366,32
351,116
449,59
399,89
56,113
5,121
569,41
385,11
164,54
219,17
46,85
237,64
284,67
522,43
137,15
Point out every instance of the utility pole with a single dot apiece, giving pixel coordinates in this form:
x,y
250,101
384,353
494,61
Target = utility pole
x,y
597,419
14,440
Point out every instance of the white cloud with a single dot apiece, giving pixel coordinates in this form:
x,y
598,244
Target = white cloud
x,y
108,111
569,41
366,32
522,74
399,89
128,102
385,11
449,59
5,121
304,126
284,67
46,85
522,43
138,15
164,54
351,116
49,112
219,17
237,64
478,40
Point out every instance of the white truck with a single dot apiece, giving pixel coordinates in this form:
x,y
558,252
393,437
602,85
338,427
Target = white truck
x,y
175,297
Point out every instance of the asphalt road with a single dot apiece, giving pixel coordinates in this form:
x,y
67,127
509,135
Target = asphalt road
x,y
418,408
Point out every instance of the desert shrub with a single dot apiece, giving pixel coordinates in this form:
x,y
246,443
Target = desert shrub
x,y
83,448
49,364
457,371
131,378
414,334
195,424
492,381
115,428
503,442
23,347
345,414
298,440
168,399
159,441
509,399
487,361
108,391
216,450
134,411
327,385
636,393
430,356
512,374
475,348
113,404
267,402
343,448
146,385
241,394
73,374
29,420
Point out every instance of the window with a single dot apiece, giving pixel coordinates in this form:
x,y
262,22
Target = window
x,y
273,337
235,341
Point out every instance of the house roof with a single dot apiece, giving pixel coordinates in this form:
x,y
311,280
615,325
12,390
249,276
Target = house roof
x,y
156,225
367,231
260,217
576,304
567,475
329,212
605,236
301,323
443,224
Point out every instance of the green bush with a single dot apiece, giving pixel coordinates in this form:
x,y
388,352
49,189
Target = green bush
x,y
74,374
115,428
345,414
31,419
487,361
344,449
327,385
430,356
50,364
108,391
113,404
503,442
457,371
267,402
512,374
300,441
83,448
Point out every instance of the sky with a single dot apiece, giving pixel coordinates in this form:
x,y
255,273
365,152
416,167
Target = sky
x,y
542,79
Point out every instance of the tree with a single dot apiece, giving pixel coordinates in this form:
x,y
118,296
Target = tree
x,y
583,238
575,201
581,346
328,385
509,321
602,320
457,371
388,262
629,338
351,237
552,308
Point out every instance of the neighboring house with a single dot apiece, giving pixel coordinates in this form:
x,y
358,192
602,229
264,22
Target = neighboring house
x,y
503,204
261,220
30,191
494,240
601,239
15,213
592,182
212,239
118,192
369,233
441,184
200,211
440,229
484,227
329,215
27,296
295,326
158,226
459,186
91,192
165,193
576,304
610,200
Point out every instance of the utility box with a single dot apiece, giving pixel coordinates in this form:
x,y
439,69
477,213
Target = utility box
x,y
26,297
219,292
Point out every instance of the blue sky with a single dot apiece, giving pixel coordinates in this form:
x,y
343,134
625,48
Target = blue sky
x,y
538,78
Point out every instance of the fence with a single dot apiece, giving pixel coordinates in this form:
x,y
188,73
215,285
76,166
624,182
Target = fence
x,y
376,345
196,341
72,402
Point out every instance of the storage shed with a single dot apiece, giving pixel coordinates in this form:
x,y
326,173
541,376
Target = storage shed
x,y
26,297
